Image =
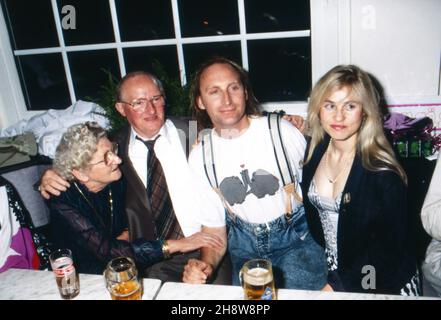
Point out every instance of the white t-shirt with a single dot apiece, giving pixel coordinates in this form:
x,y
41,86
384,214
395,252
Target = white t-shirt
x,y
189,195
247,172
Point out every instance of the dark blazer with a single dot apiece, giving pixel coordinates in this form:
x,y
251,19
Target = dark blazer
x,y
139,216
373,228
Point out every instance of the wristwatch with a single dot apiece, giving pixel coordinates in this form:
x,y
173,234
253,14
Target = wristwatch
x,y
165,249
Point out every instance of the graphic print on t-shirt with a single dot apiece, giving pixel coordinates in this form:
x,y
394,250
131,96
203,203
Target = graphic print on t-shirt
x,y
261,184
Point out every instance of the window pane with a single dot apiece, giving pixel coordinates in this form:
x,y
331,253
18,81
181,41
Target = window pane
x,y
277,15
207,18
87,71
280,69
145,20
31,24
93,22
142,58
44,81
195,54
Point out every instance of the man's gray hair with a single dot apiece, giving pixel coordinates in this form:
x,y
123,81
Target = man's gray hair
x,y
76,148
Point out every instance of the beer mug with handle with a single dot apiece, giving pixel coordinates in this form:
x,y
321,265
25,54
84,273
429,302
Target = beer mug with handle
x,y
121,277
257,280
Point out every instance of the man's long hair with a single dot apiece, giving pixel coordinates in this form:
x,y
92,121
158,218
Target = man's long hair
x,y
201,116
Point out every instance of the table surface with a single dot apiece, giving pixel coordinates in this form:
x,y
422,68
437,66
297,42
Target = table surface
x,y
18,284
184,291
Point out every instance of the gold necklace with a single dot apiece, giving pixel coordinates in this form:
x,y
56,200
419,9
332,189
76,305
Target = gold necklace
x,y
342,170
93,208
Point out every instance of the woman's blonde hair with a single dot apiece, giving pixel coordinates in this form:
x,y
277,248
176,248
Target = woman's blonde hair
x,y
76,148
372,145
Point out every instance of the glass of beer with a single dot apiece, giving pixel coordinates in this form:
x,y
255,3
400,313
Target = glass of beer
x,y
121,277
67,279
257,280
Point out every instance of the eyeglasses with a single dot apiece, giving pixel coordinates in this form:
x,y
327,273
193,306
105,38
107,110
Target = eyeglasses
x,y
108,156
139,105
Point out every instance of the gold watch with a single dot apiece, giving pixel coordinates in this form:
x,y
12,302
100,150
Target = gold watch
x,y
165,249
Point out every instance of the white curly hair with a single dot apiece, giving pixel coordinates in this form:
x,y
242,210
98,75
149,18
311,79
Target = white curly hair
x,y
76,148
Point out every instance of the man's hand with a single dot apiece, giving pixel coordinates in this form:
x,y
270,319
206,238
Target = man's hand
x,y
197,272
52,184
196,241
296,121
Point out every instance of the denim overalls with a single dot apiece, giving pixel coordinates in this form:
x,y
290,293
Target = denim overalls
x,y
298,261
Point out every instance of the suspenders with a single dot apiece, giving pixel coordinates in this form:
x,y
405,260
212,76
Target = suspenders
x,y
283,165
288,178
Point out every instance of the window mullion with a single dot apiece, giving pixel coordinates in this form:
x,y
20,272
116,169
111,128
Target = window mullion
x,y
179,47
243,33
114,15
63,51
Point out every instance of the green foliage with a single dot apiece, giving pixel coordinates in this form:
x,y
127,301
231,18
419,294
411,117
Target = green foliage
x,y
178,97
107,99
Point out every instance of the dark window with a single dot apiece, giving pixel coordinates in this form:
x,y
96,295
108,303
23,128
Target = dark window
x,y
280,69
277,15
93,22
31,24
43,81
87,71
145,20
142,59
195,54
207,18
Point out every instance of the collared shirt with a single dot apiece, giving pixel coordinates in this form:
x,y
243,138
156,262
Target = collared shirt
x,y
190,196
138,153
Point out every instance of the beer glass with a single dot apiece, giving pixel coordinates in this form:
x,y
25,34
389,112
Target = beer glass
x,y
257,280
121,277
67,279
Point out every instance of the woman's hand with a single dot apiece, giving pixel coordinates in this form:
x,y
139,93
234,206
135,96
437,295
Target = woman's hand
x,y
327,288
124,236
196,241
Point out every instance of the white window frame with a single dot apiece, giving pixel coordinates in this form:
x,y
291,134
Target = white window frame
x,y
12,102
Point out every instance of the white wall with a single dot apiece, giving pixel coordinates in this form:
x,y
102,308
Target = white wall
x,y
399,41
12,104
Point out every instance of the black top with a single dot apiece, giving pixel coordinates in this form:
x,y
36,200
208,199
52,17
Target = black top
x,y
84,223
373,228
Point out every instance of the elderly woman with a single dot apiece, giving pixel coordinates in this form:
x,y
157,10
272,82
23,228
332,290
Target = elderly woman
x,y
355,190
89,217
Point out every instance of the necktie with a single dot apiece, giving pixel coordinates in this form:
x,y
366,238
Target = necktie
x,y
167,226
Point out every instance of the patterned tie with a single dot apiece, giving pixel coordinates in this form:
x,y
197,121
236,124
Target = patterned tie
x,y
167,226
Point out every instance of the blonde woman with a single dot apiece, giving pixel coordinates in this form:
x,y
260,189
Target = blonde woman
x,y
355,190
